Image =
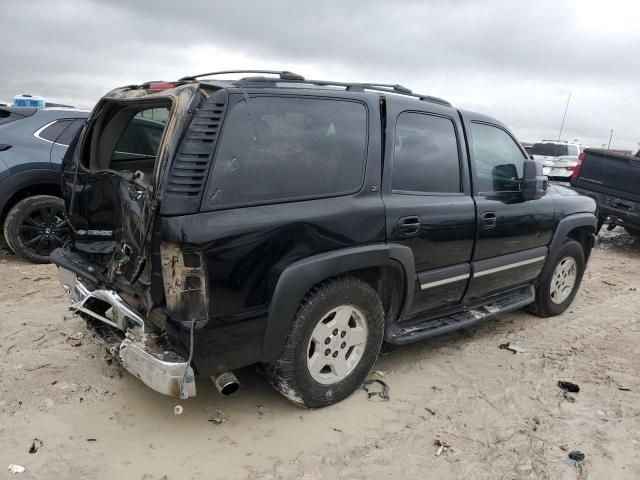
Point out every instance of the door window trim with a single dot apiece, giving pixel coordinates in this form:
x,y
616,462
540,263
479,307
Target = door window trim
x,y
460,160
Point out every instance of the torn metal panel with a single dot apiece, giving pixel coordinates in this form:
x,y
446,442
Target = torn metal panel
x,y
183,274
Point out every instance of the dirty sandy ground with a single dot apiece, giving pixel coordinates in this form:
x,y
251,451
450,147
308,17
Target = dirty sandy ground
x,y
503,413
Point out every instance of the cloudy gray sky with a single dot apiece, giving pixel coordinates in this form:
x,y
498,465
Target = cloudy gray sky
x,y
516,60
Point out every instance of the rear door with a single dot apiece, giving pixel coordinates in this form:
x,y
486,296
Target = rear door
x,y
428,203
512,233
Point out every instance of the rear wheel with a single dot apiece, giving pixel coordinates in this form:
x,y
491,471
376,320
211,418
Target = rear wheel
x,y
559,286
35,226
333,344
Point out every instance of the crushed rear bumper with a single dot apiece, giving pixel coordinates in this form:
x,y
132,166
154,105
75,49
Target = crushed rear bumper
x,y
140,351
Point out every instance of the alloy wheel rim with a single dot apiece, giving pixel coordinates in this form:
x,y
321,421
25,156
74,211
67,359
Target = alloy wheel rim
x,y
337,344
43,230
563,280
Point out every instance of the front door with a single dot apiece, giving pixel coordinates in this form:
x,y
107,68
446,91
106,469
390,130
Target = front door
x,y
512,233
428,203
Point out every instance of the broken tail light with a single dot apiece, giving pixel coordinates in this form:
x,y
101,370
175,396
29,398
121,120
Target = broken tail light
x,y
185,285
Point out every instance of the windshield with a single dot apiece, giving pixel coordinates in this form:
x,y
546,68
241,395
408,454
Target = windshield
x,y
551,149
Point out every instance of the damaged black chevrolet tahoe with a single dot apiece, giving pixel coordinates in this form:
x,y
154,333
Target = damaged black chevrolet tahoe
x,y
297,224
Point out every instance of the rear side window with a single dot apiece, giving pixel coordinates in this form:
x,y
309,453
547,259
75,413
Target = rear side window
x,y
425,156
498,160
286,148
54,130
66,136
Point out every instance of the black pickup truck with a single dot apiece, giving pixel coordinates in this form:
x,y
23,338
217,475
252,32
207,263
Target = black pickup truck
x,y
298,224
613,181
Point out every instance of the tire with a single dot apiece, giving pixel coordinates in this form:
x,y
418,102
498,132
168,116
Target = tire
x,y
634,232
552,296
35,226
318,329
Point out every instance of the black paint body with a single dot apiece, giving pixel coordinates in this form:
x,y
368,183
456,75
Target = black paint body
x,y
262,259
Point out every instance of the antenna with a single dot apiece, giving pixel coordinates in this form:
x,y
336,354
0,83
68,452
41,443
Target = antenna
x,y
564,116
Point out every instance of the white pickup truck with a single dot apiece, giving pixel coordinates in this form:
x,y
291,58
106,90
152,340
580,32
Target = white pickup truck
x,y
558,158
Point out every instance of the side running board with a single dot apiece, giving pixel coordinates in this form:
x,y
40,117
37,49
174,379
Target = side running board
x,y
400,334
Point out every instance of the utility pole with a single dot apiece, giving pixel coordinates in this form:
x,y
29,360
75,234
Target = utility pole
x,y
564,116
610,137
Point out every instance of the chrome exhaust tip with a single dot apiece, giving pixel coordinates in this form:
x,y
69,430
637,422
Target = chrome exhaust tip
x,y
226,383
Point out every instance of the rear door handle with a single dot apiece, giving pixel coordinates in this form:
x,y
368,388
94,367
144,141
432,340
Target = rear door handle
x,y
488,220
408,226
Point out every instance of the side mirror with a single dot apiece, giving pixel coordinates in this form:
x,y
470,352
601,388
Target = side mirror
x,y
534,184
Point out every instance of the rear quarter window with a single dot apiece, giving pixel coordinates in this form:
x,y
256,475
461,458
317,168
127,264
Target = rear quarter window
x,y
288,148
52,131
67,136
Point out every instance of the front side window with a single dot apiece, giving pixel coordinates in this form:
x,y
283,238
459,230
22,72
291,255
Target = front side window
x,y
499,162
425,155
277,148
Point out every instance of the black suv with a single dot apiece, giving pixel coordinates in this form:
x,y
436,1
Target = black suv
x,y
298,224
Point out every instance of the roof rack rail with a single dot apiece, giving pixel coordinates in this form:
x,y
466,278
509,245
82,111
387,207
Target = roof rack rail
x,y
376,87
284,74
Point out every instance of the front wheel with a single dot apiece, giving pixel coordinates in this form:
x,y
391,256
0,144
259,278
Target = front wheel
x,y
557,289
334,342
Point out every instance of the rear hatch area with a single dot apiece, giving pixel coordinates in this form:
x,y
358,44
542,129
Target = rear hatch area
x,y
112,178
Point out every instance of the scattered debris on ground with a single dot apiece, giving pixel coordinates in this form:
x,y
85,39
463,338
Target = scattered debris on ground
x,y
442,446
74,339
216,416
35,445
568,386
620,386
512,347
577,458
13,468
383,394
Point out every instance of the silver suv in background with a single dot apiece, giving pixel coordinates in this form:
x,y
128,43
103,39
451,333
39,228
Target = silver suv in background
x,y
558,158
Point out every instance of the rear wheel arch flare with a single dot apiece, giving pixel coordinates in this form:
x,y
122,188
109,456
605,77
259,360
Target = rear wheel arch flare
x,y
373,264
